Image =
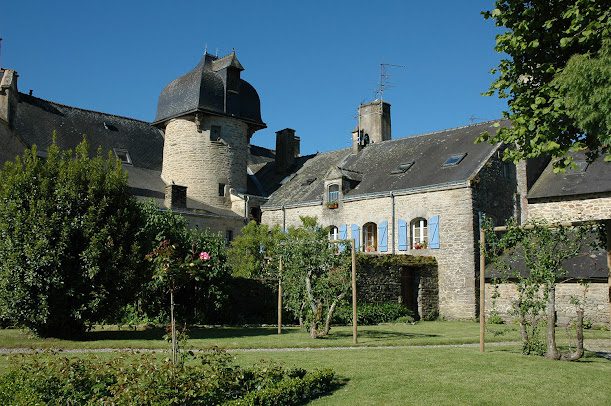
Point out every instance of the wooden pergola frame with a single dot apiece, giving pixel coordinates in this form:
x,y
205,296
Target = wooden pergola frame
x,y
482,266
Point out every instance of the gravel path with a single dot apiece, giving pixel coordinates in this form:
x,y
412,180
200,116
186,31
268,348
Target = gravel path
x,y
600,346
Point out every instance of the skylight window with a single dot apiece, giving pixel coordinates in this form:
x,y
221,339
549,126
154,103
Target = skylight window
x,y
454,160
402,168
110,127
123,156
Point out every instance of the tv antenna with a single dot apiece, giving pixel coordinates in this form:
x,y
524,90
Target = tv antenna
x,y
385,83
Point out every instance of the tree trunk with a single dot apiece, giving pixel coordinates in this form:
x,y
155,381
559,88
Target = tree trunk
x,y
303,304
314,333
574,356
330,313
552,350
523,329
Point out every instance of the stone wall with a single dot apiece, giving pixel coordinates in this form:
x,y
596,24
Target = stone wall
x,y
217,224
192,159
455,257
596,304
591,207
10,146
385,284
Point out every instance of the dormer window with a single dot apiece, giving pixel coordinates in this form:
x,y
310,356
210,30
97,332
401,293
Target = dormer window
x,y
123,156
233,80
333,193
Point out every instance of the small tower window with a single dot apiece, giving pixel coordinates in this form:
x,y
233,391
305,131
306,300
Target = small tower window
x,y
221,189
215,132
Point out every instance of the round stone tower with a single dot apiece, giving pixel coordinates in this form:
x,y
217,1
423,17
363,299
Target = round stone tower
x,y
208,116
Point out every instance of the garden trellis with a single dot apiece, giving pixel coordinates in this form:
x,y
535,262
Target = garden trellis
x,y
482,283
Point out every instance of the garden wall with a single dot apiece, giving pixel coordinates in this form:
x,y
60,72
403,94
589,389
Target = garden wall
x,y
412,281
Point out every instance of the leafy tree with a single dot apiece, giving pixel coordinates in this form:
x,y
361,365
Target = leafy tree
x,y
68,247
193,264
201,288
254,253
542,250
316,275
546,109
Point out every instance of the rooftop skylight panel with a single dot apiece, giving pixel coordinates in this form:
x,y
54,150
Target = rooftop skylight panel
x,y
123,156
402,168
454,160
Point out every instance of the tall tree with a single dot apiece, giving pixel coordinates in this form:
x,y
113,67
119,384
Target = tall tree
x,y
68,248
540,37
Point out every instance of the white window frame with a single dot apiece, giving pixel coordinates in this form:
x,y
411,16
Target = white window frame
x,y
419,232
333,195
370,234
333,233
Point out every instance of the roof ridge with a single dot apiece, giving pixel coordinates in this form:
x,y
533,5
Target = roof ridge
x,y
82,109
442,131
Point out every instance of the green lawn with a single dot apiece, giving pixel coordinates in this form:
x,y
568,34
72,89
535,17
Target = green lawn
x,y
423,333
453,376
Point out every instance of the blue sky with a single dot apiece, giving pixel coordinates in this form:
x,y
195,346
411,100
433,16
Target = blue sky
x,y
312,62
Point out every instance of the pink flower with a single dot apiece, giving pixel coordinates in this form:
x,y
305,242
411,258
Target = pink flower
x,y
204,256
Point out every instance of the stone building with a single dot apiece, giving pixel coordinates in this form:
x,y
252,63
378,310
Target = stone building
x,y
419,195
582,194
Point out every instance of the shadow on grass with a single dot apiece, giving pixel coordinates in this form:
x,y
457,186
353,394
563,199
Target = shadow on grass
x,y
157,333
377,335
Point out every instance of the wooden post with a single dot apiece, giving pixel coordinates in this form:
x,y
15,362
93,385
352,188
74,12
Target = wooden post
x,y
608,231
482,286
354,315
280,296
173,327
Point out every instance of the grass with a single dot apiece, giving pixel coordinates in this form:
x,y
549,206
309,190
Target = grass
x,y
450,376
398,334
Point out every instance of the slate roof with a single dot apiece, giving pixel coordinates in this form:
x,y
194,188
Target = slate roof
x,y
203,89
587,179
36,119
376,162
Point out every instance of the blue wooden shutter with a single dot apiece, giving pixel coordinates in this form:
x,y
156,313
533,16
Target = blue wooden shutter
x,y
434,232
402,235
343,235
356,235
383,236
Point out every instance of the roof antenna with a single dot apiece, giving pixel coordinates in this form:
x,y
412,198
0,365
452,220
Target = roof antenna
x,y
384,81
217,52
206,49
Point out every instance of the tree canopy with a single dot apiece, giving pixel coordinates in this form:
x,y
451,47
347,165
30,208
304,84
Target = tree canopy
x,y
556,78
68,247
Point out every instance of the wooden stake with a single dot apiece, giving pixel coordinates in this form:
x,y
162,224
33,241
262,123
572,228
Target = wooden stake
x,y
173,327
280,297
354,324
608,230
482,287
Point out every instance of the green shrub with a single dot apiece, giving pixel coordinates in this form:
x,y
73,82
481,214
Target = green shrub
x,y
372,313
495,318
142,379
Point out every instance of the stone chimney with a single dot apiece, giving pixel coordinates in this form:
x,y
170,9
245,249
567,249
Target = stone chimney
x,y
175,197
287,149
374,124
8,96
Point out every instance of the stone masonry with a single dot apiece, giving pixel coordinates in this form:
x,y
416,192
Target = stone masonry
x,y
592,207
595,308
455,257
192,159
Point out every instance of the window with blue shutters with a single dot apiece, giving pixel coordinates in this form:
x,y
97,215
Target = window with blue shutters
x,y
434,232
383,236
419,233
356,232
403,235
370,237
343,232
